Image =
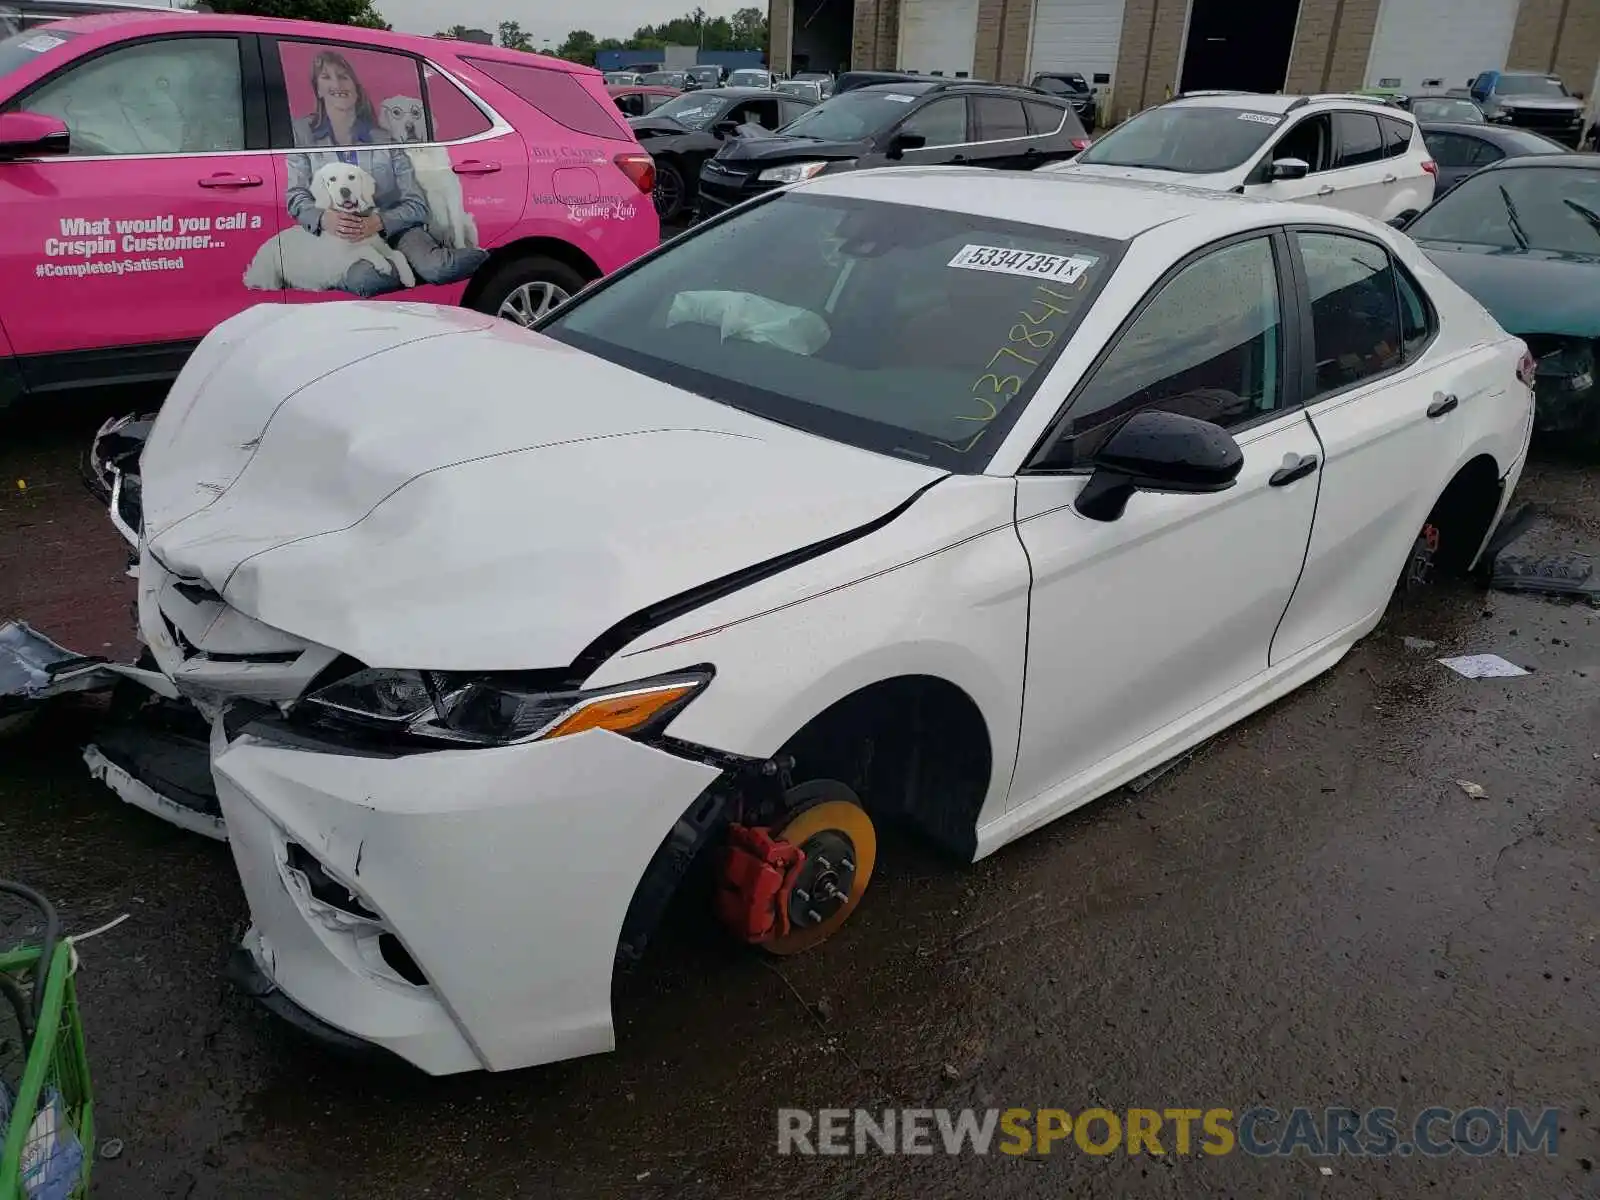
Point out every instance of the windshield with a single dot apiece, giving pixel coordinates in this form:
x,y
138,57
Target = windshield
x,y
1059,85
695,110
704,74
852,116
805,88
23,49
1191,139
909,331
1534,208
1463,112
749,79
663,79
1541,86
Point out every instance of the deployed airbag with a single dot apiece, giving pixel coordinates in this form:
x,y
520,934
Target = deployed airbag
x,y
751,318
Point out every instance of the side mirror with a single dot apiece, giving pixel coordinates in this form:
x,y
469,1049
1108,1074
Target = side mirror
x,y
1159,452
1288,168
1401,221
901,142
725,128
30,135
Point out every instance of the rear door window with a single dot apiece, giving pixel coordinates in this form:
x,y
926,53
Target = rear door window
x,y
1359,139
1000,118
352,96
453,115
1042,118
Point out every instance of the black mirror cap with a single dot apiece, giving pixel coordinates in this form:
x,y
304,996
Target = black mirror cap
x,y
1156,451
901,142
1289,168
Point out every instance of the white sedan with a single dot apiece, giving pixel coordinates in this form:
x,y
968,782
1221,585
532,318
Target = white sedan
x,y
952,498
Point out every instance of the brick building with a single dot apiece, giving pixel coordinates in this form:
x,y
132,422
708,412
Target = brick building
x,y
1138,52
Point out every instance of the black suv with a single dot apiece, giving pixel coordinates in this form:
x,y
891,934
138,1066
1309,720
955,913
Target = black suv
x,y
1072,87
914,122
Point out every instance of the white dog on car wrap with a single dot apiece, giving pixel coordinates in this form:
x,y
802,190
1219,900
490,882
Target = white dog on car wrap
x,y
300,259
403,119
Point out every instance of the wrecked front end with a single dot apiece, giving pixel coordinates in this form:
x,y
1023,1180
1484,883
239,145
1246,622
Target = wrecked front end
x,y
1567,401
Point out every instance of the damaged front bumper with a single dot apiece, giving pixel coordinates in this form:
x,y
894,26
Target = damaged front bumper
x,y
460,908
1566,400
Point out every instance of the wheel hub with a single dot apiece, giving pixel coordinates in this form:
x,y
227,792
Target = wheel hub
x,y
825,880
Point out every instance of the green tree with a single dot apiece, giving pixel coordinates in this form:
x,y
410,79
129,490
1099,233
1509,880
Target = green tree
x,y
334,12
749,29
513,38
579,47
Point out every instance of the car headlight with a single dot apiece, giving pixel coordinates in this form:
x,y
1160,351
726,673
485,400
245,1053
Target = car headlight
x,y
499,710
793,172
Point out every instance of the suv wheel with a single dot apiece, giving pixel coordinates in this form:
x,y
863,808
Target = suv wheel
x,y
525,289
671,192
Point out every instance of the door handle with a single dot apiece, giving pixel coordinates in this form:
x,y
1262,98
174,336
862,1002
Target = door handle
x,y
1284,476
959,158
1391,179
474,166
1442,404
225,180
1325,190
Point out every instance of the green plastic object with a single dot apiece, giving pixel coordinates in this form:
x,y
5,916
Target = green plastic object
x,y
57,1061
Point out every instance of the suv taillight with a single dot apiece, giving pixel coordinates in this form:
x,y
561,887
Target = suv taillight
x,y
639,167
1527,368
1082,143
1431,167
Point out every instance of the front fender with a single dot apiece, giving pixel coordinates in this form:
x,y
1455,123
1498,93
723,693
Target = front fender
x,y
941,591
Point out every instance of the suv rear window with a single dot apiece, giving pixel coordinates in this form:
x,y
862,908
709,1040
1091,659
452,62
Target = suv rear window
x,y
909,331
556,94
1396,136
859,113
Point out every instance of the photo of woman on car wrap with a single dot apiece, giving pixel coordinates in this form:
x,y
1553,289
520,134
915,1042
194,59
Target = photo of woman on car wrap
x,y
367,220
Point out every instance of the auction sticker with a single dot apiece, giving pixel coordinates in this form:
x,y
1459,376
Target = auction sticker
x,y
40,42
1068,268
1261,118
899,98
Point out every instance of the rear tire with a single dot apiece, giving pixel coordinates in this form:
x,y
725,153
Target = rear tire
x,y
671,194
525,289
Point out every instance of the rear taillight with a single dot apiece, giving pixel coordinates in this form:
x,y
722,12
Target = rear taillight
x,y
1527,369
1081,143
639,167
1431,167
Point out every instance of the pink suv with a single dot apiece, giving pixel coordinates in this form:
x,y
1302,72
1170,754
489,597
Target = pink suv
x,y
159,172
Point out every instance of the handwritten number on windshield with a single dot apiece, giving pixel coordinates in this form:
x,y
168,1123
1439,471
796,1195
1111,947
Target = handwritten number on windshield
x,y
992,391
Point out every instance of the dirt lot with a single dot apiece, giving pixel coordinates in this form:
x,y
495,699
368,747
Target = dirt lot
x,y
1311,912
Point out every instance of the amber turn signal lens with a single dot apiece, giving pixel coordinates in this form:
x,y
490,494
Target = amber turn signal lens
x,y
621,713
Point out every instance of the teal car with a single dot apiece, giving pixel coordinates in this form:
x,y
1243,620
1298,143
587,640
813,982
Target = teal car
x,y
1523,236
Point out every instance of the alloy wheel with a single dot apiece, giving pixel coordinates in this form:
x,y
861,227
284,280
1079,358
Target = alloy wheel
x,y
527,302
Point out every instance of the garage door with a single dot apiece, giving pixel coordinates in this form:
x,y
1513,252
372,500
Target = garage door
x,y
1421,41
1076,35
938,36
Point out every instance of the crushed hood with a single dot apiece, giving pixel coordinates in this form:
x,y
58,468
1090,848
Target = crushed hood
x,y
433,488
780,147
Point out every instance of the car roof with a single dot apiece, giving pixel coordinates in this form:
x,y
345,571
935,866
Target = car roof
x,y
1119,209
1546,162
733,91
133,23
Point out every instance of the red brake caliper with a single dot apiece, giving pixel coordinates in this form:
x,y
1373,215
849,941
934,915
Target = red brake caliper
x,y
755,874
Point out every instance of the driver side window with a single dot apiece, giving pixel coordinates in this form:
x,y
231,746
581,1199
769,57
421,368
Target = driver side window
x,y
174,97
1208,345
756,112
1311,140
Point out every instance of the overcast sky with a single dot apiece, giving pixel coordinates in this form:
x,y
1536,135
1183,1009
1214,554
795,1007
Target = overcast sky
x,y
603,18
